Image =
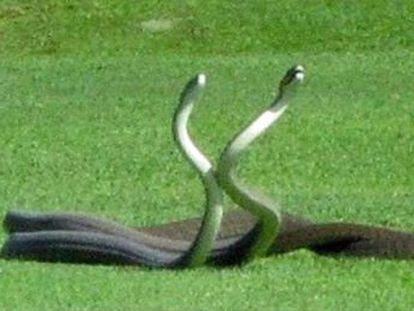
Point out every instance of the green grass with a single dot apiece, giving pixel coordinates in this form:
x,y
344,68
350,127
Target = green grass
x,y
86,99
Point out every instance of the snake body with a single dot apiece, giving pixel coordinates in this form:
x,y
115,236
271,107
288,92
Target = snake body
x,y
80,245
266,211
329,239
85,239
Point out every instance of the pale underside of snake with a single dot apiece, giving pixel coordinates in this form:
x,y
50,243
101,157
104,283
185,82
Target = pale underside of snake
x,y
76,238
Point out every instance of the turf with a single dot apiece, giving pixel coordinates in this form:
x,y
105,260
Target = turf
x,y
87,92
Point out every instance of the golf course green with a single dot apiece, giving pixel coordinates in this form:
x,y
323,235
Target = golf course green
x,y
87,94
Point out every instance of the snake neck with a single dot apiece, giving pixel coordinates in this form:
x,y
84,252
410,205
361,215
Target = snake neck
x,y
264,209
201,246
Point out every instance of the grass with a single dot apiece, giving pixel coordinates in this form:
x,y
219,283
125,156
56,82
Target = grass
x,y
87,92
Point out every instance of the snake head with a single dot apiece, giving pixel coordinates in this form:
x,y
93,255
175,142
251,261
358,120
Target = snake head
x,y
193,88
201,79
294,76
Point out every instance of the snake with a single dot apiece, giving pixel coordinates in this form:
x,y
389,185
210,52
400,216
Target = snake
x,y
244,234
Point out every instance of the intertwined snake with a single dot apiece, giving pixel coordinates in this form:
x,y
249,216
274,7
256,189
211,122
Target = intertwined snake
x,y
261,229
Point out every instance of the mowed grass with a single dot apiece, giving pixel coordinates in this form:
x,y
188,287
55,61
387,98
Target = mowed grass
x,y
86,128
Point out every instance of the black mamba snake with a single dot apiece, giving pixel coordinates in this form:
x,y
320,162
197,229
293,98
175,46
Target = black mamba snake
x,y
83,239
